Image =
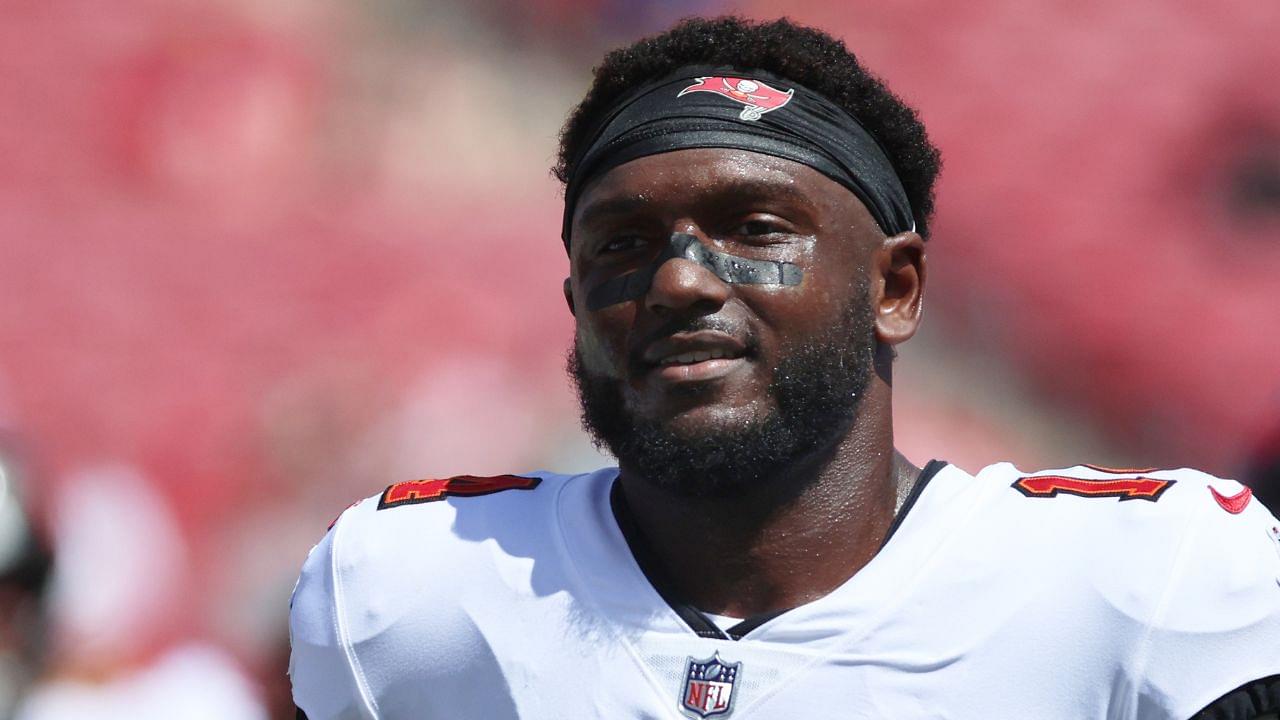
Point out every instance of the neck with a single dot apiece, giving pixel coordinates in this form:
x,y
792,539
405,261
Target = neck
x,y
789,541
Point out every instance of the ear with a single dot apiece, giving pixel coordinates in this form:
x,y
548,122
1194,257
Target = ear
x,y
901,267
568,296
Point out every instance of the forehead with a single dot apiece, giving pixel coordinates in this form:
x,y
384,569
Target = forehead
x,y
699,178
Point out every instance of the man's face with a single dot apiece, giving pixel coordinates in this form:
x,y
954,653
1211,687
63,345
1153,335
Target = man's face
x,y
706,364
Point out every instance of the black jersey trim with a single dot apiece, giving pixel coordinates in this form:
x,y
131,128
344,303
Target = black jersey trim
x,y
697,621
1250,701
649,565
741,629
301,715
926,474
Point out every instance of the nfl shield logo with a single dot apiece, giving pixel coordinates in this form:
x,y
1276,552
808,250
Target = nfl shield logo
x,y
708,687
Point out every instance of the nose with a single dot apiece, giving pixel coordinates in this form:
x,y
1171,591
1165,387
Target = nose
x,y
681,286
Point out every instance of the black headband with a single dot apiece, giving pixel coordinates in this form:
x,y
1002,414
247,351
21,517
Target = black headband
x,y
718,107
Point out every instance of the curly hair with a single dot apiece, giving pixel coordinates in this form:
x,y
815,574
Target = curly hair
x,y
801,54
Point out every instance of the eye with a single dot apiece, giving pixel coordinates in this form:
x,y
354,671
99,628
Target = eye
x,y
758,226
622,243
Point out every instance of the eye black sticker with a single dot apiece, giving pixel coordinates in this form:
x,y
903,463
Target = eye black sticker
x,y
729,268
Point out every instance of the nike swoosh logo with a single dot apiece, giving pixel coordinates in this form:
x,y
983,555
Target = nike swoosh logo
x,y
1234,504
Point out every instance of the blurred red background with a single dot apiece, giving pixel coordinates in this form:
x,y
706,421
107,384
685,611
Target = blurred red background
x,y
258,260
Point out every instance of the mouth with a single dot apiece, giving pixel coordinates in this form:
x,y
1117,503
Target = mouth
x,y
691,358
694,357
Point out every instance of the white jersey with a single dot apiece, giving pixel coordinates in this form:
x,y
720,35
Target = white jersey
x,y
1077,593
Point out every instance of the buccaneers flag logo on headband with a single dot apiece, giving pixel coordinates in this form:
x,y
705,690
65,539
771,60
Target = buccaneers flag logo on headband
x,y
758,97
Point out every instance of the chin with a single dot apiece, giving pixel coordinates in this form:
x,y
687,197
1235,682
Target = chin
x,y
707,421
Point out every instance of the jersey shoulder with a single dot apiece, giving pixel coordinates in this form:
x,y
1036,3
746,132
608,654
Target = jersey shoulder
x,y
1189,560
1090,488
438,526
1148,531
415,552
1132,529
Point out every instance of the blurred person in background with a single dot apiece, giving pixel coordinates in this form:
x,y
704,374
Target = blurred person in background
x,y
25,569
745,214
120,559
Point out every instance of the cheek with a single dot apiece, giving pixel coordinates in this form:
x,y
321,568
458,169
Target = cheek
x,y
804,311
601,339
837,280
833,270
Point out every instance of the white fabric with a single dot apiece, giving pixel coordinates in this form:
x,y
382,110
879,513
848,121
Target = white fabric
x,y
724,622
986,603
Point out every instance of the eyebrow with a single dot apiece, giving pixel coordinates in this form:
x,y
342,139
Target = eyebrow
x,y
743,188
608,207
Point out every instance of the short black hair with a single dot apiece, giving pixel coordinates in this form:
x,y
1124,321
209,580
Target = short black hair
x,y
805,55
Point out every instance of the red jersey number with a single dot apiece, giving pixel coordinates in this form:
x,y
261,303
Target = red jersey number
x,y
1136,488
421,491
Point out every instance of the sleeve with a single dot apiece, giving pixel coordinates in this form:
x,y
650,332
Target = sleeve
x,y
326,684
1216,628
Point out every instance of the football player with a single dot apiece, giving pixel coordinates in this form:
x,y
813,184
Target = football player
x,y
745,215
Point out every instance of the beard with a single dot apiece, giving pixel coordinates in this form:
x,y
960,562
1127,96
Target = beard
x,y
816,390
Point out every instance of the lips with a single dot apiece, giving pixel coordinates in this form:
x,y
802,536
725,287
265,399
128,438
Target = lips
x,y
694,347
693,357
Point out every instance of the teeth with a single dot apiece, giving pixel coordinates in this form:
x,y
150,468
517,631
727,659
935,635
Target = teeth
x,y
694,357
